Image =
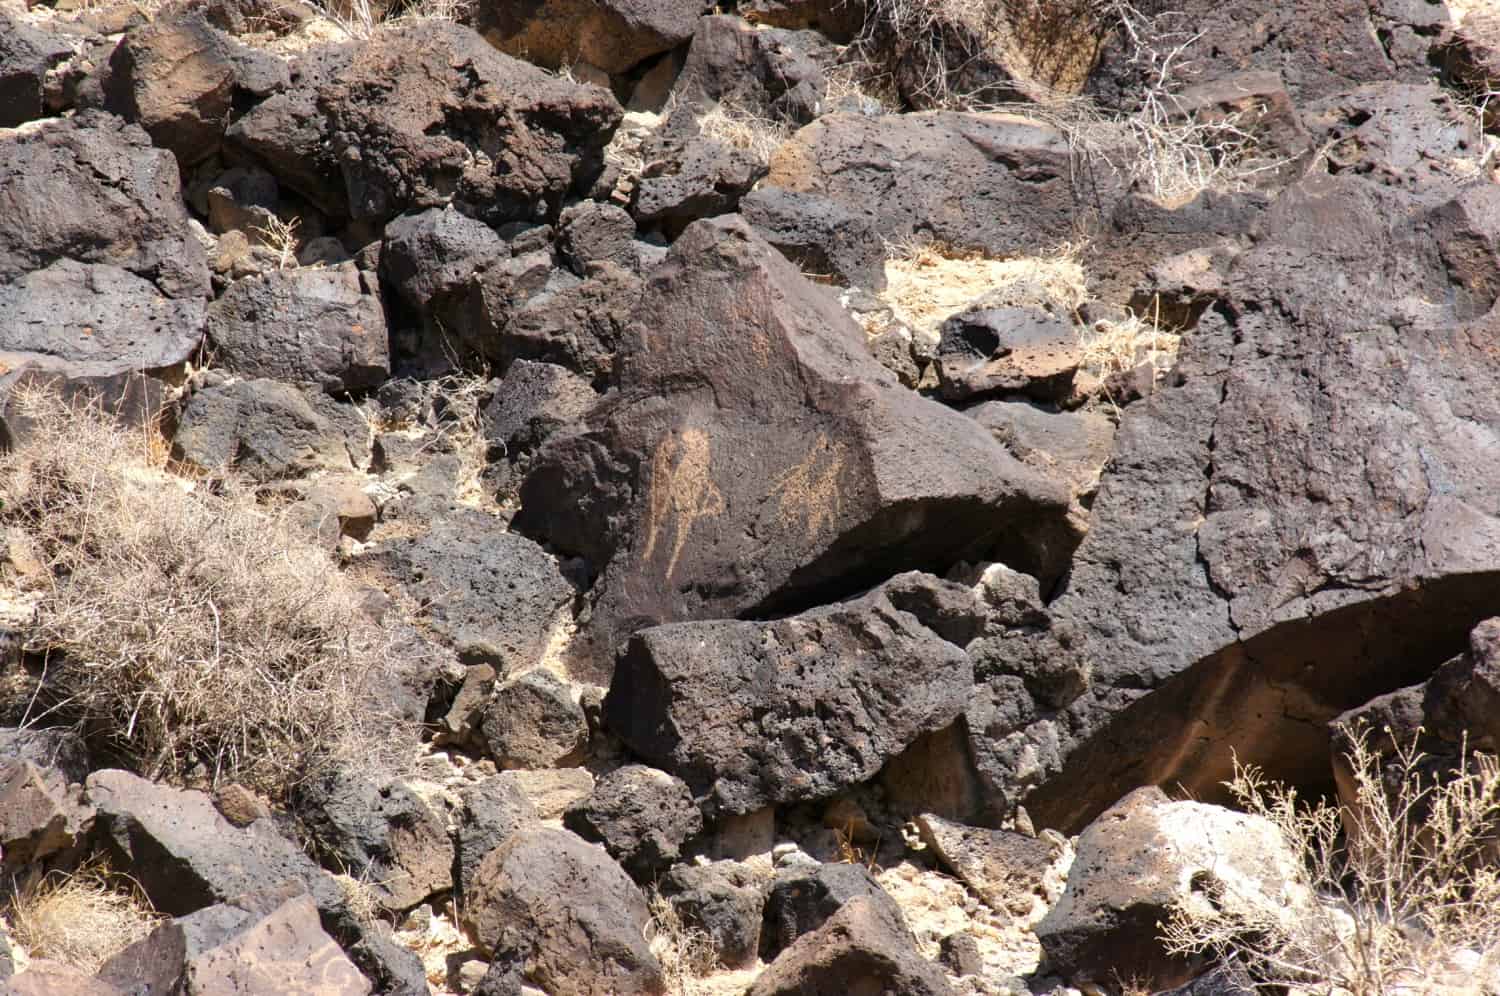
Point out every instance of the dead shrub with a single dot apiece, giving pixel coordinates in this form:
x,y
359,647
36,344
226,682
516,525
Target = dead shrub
x,y
687,954
1406,901
184,625
742,127
1120,345
80,919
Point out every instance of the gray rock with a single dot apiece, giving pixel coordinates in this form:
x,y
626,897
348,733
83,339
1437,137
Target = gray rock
x,y
391,834
263,428
563,915
642,816
725,900
1007,351
1398,134
1004,868
818,234
493,809
756,66
322,326
533,721
27,52
535,401
690,175
41,815
751,713
590,231
800,901
996,182
91,188
491,593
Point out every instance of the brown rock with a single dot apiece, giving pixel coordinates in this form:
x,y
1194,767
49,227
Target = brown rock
x,y
613,35
41,815
1004,868
861,948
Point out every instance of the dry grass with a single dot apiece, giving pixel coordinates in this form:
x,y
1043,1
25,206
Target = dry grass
x,y
927,282
1412,907
741,127
281,238
1111,347
185,627
360,19
81,919
687,954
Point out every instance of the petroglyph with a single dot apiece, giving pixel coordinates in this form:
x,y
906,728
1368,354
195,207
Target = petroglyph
x,y
682,491
808,494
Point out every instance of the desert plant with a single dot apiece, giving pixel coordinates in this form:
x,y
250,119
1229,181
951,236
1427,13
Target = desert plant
x,y
81,918
740,126
1117,345
687,954
185,625
1404,893
281,238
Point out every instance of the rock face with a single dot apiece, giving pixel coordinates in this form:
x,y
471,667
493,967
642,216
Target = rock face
x,y
799,902
99,277
611,36
750,461
321,326
750,714
428,114
1141,858
26,54
1316,485
563,915
995,182
493,594
263,428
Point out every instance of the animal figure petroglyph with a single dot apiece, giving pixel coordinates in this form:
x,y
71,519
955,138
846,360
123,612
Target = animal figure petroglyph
x,y
682,491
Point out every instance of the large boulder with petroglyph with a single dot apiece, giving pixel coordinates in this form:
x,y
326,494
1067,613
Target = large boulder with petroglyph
x,y
757,459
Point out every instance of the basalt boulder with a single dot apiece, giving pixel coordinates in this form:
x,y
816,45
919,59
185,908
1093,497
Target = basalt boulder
x,y
426,115
611,36
1306,514
756,458
751,714
997,182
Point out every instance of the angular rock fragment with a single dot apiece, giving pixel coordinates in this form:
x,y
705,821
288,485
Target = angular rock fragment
x,y
490,592
725,900
1142,857
860,948
611,36
27,52
322,326
819,235
41,815
751,713
1005,869
642,817
493,809
757,458
564,916
424,115
799,902
264,428
1007,351
996,182
533,721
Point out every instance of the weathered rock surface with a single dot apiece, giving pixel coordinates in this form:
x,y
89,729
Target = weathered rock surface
x,y
534,721
590,232
424,115
563,915
611,36
533,402
1399,134
41,815
493,809
752,713
858,949
642,817
1139,859
390,834
799,902
819,235
27,52
92,189
175,77
1320,490
490,592
1006,869
725,900
691,174
267,430
755,66
996,182
322,326
992,351
250,947
751,460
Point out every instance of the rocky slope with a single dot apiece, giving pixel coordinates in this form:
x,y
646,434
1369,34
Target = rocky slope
x,y
802,513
